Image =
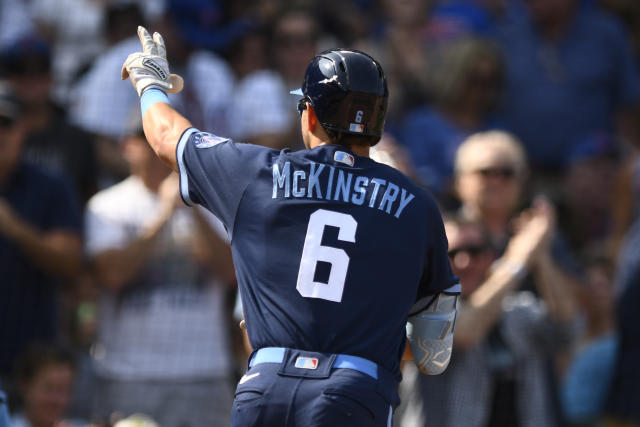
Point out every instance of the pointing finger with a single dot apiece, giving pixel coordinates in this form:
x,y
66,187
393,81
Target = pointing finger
x,y
148,45
159,41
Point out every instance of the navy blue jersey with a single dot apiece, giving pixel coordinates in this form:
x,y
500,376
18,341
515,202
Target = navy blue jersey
x,y
331,250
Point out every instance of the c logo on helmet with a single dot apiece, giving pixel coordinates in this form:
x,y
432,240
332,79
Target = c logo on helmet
x,y
359,114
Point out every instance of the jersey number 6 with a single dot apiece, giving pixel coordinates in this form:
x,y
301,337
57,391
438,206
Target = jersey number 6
x,y
314,252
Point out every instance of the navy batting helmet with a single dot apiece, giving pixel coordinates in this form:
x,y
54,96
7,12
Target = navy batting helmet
x,y
348,91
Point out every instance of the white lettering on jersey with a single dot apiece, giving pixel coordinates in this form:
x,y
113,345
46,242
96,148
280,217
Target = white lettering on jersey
x,y
339,185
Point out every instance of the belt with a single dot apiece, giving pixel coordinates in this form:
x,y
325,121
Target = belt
x,y
342,361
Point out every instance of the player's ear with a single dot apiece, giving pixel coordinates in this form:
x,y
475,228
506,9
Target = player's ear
x,y
312,119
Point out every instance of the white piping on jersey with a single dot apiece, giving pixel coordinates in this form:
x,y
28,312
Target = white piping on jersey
x,y
184,179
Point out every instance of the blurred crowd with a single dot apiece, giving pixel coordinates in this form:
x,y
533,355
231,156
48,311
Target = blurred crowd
x,y
521,117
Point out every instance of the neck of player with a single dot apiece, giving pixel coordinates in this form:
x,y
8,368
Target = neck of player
x,y
314,135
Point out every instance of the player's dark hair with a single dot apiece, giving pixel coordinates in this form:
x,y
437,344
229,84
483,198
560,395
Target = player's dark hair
x,y
347,139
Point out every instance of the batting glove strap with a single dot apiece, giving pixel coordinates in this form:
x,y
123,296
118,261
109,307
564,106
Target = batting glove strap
x,y
150,67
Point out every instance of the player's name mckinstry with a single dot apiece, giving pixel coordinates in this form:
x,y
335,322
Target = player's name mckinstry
x,y
324,182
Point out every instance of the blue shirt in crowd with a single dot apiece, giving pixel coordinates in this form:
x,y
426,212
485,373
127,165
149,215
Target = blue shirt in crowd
x,y
559,92
588,378
28,294
432,141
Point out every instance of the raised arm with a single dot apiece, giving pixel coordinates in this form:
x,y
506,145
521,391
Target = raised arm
x,y
484,306
149,74
163,127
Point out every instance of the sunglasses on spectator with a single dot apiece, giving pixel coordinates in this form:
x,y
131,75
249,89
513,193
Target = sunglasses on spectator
x,y
471,250
302,105
498,171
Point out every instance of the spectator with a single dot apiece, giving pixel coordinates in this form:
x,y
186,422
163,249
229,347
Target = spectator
x,y
465,85
403,48
212,25
162,346
589,373
622,406
261,110
295,38
45,378
490,179
249,53
122,15
51,141
626,198
408,35
586,204
389,152
570,72
628,11
452,19
75,29
79,29
40,242
504,333
102,103
350,20
15,22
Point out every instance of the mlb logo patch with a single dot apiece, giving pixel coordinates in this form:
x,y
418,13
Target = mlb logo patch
x,y
303,362
342,157
207,140
355,127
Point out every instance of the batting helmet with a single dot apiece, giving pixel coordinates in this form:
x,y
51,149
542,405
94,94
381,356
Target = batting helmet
x,y
348,91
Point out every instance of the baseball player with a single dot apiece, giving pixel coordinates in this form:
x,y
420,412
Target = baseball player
x,y
334,253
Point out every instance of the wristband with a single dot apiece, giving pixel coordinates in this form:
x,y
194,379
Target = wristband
x,y
150,97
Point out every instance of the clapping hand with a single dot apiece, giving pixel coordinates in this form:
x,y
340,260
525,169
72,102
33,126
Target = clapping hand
x,y
534,230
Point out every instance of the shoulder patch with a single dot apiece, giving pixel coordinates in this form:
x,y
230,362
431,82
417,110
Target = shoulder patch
x,y
342,157
207,140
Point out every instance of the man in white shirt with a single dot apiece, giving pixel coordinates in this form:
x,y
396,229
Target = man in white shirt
x,y
163,327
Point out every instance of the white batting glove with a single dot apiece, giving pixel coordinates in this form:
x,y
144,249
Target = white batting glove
x,y
149,68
